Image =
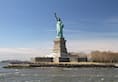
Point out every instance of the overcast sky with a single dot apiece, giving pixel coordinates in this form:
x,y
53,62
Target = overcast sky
x,y
28,27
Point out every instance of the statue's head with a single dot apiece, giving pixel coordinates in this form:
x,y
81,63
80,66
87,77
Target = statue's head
x,y
59,19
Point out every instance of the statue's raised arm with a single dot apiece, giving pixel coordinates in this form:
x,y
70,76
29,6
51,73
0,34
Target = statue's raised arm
x,y
56,16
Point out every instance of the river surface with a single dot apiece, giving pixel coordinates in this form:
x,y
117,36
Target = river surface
x,y
56,74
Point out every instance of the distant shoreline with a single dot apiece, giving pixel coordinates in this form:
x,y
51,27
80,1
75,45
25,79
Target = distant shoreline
x,y
62,64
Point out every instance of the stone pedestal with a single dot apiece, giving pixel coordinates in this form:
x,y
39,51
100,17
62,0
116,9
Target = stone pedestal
x,y
60,49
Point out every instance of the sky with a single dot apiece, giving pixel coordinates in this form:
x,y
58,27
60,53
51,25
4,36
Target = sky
x,y
28,27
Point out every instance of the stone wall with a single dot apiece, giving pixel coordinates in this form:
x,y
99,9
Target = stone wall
x,y
42,59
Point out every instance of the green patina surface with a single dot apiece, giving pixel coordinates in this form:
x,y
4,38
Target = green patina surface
x,y
59,27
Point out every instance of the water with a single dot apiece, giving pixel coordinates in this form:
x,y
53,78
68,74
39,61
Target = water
x,y
55,74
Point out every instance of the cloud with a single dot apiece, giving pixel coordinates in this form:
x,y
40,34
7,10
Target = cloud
x,y
112,20
90,45
22,53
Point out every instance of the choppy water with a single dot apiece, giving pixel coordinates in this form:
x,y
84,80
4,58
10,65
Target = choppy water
x,y
54,74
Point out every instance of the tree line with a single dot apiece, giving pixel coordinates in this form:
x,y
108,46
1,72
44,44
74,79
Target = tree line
x,y
98,56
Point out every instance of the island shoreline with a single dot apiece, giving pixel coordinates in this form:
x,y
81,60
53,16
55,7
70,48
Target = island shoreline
x,y
62,64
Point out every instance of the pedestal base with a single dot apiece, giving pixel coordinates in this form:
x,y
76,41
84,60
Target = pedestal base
x,y
60,50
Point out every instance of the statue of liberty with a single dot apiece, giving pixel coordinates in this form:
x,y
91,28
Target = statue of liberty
x,y
59,27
